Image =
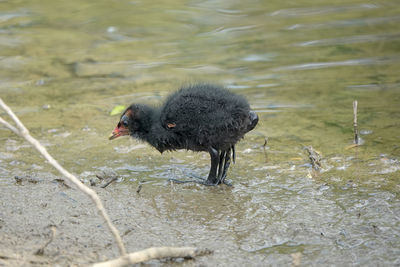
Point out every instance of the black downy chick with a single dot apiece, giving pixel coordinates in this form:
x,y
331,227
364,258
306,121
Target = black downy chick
x,y
199,117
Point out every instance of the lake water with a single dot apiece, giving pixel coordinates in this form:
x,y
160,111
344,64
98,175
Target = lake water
x,y
64,65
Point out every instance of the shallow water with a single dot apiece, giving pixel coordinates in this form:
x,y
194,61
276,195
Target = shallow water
x,y
300,66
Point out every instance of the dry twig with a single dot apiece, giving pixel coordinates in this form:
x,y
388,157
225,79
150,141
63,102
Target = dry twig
x,y
40,251
356,138
108,180
265,147
154,253
139,189
9,126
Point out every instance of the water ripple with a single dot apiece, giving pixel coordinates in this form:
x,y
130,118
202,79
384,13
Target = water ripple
x,y
11,15
351,62
373,87
10,41
346,23
259,57
120,68
228,30
352,39
231,12
300,12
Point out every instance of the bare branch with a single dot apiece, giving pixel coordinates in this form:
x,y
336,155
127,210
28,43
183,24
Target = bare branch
x,y
9,126
13,117
154,253
42,150
355,125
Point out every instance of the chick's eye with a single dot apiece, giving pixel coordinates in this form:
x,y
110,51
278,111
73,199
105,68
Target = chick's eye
x,y
124,121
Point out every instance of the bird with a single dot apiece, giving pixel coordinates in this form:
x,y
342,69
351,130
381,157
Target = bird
x,y
197,117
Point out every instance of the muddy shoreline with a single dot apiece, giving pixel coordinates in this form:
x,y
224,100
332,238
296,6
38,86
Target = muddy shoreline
x,y
31,206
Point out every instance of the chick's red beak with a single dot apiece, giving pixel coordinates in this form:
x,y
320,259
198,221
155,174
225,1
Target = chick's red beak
x,y
118,131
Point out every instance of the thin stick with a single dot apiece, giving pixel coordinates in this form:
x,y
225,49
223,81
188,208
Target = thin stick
x,y
265,148
139,189
42,150
40,251
153,253
356,139
111,179
9,126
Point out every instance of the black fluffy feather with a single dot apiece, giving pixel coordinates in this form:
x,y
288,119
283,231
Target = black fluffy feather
x,y
200,117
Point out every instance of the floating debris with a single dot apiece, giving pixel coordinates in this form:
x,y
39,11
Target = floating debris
x,y
315,158
117,110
